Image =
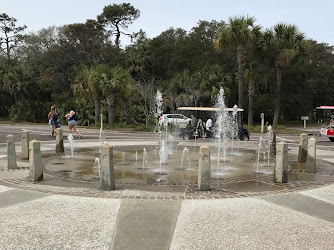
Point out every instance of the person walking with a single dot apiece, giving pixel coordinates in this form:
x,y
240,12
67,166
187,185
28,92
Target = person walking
x,y
53,118
208,124
72,121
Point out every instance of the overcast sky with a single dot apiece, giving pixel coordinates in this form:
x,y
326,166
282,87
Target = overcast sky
x,y
313,18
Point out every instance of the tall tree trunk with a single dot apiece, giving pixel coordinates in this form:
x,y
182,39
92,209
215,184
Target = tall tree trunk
x,y
278,96
97,100
128,111
7,46
241,98
146,118
240,77
118,35
111,104
111,115
250,103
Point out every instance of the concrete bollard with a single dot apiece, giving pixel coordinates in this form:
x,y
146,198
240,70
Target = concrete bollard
x,y
107,168
281,166
59,141
204,171
25,144
35,160
302,153
311,156
11,154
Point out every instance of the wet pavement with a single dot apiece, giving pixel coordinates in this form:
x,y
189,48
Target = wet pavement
x,y
67,211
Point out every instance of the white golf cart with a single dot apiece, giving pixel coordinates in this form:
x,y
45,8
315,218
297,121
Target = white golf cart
x,y
197,130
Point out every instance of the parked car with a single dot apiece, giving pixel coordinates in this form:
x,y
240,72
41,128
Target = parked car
x,y
176,119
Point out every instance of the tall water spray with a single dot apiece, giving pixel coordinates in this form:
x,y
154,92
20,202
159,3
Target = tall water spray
x,y
223,124
270,138
260,150
158,111
185,155
234,127
123,158
102,137
264,146
144,158
71,142
163,144
97,167
163,152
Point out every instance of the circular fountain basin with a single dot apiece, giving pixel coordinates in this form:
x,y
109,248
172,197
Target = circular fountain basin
x,y
181,166
242,172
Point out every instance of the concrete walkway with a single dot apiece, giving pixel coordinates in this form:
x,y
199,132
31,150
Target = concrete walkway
x,y
53,215
34,220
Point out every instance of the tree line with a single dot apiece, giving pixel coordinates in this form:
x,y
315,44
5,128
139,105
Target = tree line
x,y
276,71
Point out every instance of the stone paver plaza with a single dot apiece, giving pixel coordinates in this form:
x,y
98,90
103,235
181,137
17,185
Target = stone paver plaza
x,y
244,213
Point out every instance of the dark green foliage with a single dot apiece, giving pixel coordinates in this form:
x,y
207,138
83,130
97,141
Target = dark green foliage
x,y
117,17
82,65
10,35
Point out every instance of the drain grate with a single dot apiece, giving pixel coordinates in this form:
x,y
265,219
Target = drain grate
x,y
160,173
64,171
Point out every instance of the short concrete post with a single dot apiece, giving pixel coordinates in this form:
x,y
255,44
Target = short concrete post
x,y
25,144
107,168
59,141
302,153
35,160
281,167
311,156
204,171
11,154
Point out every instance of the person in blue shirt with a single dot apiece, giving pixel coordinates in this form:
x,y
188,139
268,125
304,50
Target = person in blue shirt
x,y
53,118
72,121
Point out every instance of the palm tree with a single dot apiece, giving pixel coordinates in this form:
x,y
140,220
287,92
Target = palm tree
x,y
250,78
116,83
253,76
89,81
283,44
238,33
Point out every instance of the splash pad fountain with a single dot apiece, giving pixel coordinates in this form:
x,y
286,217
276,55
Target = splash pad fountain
x,y
169,160
166,160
